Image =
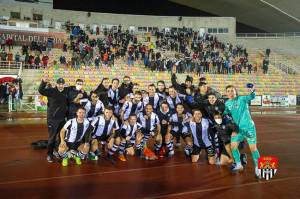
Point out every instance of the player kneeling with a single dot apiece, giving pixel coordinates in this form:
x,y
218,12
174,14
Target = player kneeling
x,y
106,127
177,122
150,128
75,137
199,128
225,129
131,135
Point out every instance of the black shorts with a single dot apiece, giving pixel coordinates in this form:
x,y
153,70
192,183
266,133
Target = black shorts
x,y
225,138
73,145
180,134
104,137
209,150
224,152
164,129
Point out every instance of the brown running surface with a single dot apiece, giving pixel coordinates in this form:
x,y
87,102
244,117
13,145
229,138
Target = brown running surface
x,y
24,173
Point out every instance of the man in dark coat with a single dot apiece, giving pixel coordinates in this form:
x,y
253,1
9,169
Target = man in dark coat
x,y
56,111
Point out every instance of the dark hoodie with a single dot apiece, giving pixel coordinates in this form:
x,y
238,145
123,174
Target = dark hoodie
x,y
125,90
180,88
102,92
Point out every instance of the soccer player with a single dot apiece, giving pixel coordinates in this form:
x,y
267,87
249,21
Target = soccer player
x,y
152,98
151,127
134,105
224,129
93,107
199,128
131,135
106,127
237,107
114,96
163,115
175,129
174,98
161,89
75,137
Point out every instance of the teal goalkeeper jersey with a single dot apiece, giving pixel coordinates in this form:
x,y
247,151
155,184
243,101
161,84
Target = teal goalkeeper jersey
x,y
239,110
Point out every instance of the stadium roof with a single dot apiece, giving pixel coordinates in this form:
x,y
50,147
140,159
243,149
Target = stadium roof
x,y
267,15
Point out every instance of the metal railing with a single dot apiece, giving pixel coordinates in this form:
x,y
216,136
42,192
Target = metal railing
x,y
17,105
281,62
268,35
11,67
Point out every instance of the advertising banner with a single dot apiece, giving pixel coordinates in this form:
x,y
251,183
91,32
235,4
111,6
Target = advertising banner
x,y
41,103
257,101
292,100
26,37
268,100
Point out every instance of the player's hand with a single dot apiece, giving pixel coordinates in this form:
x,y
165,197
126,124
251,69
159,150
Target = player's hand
x,y
63,144
251,90
44,79
130,150
164,122
80,95
122,101
127,138
233,134
152,133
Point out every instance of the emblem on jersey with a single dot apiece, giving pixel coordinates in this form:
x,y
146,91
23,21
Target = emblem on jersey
x,y
267,166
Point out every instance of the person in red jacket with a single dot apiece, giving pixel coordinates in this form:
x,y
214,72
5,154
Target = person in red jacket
x,y
9,43
45,60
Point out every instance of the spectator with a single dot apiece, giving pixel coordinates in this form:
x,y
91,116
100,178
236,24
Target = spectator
x,y
45,59
265,65
62,60
97,61
65,47
2,43
17,57
10,57
37,61
3,56
268,51
9,43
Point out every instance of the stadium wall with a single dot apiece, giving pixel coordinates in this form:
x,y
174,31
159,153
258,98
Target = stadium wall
x,y
77,17
287,45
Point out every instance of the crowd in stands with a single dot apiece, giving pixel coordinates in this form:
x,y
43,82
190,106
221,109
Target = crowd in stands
x,y
189,50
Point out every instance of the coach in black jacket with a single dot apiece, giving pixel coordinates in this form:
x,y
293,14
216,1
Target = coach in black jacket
x,y
56,112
